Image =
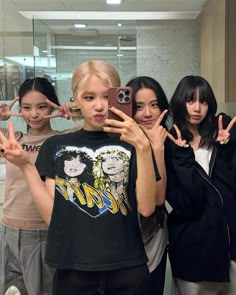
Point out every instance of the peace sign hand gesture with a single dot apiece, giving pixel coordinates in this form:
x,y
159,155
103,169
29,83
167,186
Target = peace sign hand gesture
x,y
223,134
11,150
157,134
5,110
62,111
178,141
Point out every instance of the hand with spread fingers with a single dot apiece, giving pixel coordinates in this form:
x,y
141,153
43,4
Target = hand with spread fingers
x,y
129,130
178,141
5,110
157,134
224,134
11,150
62,111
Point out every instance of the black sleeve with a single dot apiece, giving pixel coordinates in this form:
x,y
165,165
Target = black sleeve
x,y
185,188
45,163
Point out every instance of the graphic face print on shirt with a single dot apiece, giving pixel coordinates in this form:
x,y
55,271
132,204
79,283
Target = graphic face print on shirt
x,y
74,167
95,182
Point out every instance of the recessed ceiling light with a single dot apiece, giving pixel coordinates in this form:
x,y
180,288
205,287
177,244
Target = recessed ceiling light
x,y
113,1
119,25
80,26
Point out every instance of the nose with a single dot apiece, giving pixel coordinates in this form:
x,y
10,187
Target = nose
x,y
197,106
101,104
34,113
147,111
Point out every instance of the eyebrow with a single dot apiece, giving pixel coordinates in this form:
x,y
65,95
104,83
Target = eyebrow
x,y
29,104
141,102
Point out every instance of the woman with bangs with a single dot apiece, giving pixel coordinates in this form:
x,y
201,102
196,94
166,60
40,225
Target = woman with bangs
x,y
201,190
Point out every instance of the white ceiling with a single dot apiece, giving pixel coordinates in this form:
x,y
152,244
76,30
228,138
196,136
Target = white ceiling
x,y
100,5
62,14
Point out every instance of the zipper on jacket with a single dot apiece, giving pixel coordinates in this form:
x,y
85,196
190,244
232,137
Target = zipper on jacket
x,y
212,161
222,202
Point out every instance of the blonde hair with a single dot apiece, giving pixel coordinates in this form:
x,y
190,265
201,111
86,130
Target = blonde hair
x,y
106,72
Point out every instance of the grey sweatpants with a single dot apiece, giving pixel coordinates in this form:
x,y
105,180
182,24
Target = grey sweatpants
x,y
180,287
22,261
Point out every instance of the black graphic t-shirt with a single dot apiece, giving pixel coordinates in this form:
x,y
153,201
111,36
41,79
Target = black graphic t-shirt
x,y
94,224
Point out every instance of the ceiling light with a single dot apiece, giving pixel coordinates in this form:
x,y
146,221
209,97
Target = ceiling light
x,y
113,48
79,26
119,25
113,1
111,15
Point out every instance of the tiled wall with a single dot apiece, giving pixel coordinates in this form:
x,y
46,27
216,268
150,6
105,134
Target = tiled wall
x,y
168,51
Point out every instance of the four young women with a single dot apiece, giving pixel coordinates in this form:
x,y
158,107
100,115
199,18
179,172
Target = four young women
x,y
197,177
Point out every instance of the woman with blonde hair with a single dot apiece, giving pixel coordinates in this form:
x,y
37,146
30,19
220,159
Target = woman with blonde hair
x,y
94,242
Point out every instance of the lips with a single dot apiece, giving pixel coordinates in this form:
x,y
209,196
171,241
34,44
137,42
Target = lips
x,y
99,117
196,117
147,122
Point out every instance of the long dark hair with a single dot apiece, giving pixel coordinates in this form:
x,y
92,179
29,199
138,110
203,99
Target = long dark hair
x,y
186,91
41,85
147,82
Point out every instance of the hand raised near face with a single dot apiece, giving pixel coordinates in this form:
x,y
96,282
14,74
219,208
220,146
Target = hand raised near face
x,y
5,110
157,134
178,141
11,150
223,134
62,111
128,129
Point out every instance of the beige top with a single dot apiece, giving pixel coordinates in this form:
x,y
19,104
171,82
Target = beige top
x,y
18,209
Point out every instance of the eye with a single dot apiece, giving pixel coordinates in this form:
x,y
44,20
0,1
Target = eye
x,y
190,102
204,102
25,108
154,105
88,97
42,107
106,97
139,107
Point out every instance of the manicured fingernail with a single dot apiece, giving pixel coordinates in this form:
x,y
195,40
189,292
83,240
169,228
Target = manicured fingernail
x,y
2,150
